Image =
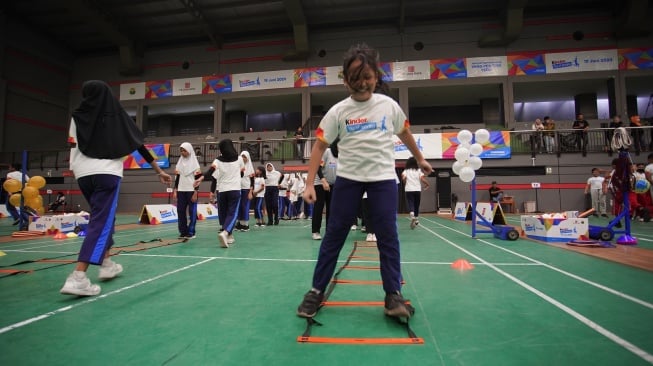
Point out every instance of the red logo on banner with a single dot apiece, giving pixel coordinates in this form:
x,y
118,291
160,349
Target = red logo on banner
x,y
411,68
187,85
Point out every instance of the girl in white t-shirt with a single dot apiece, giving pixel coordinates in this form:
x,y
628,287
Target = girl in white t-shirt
x,y
186,191
414,180
258,195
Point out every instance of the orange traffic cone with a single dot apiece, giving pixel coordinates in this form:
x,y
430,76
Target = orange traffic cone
x,y
154,221
462,265
60,235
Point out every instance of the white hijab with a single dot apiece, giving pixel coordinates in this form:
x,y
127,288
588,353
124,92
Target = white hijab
x,y
188,165
249,168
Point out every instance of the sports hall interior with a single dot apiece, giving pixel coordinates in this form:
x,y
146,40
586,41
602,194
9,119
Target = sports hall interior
x,y
192,302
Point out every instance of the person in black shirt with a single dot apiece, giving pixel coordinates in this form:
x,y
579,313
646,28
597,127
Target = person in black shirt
x,y
496,193
582,126
300,140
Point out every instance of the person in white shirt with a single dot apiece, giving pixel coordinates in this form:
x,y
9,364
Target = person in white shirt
x,y
227,170
187,184
594,188
414,180
258,195
15,172
245,188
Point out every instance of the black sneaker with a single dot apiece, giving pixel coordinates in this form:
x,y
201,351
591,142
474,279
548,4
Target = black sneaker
x,y
396,306
310,305
16,222
269,223
244,228
238,226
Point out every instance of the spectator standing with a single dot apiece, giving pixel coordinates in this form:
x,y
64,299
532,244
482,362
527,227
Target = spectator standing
x,y
581,126
537,142
549,134
595,189
637,132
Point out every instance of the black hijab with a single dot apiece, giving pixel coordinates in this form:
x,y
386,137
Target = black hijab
x,y
228,152
104,129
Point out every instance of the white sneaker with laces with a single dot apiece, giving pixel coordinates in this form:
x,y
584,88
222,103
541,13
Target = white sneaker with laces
x,y
78,284
373,237
354,227
413,223
223,237
231,239
109,269
369,237
316,236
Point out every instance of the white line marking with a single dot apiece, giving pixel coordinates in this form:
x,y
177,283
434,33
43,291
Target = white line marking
x,y
96,298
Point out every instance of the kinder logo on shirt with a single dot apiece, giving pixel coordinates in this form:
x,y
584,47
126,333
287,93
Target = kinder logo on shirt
x,y
359,124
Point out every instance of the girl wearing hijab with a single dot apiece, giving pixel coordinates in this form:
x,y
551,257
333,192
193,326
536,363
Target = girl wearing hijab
x,y
187,185
227,169
101,134
272,180
246,183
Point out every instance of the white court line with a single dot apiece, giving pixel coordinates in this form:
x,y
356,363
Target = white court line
x,y
96,298
611,336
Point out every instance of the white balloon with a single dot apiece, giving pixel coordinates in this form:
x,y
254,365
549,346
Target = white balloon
x,y
476,149
467,174
457,165
482,136
461,154
464,136
466,145
475,162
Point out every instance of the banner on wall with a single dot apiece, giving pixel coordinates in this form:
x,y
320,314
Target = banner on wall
x,y
334,75
448,68
312,76
581,61
635,58
187,86
158,89
486,66
216,84
411,70
526,64
443,146
263,80
161,153
132,91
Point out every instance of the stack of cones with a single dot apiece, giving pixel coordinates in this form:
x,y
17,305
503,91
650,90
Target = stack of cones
x,y
462,265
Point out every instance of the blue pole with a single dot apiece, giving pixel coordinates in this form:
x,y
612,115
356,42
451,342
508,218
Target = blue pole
x,y
22,218
474,208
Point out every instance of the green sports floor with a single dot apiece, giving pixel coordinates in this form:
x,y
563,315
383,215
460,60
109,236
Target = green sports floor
x,y
194,303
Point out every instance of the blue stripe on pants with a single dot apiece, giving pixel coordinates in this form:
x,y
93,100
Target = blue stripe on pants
x,y
345,204
101,192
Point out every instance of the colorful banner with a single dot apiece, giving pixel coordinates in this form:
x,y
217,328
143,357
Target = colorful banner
x,y
411,70
526,64
187,86
498,146
386,71
635,58
312,76
263,80
161,153
216,84
486,66
334,75
131,91
158,89
581,61
448,68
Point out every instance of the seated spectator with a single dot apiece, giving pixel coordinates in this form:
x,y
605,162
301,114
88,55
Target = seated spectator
x,y
496,193
58,202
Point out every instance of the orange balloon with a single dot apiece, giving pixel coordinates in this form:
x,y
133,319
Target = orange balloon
x,y
30,192
12,185
37,182
15,199
34,202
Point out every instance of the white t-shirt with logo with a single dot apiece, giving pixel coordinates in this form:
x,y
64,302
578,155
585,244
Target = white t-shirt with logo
x,y
366,130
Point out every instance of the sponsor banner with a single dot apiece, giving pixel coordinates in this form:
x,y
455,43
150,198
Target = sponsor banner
x,y
132,91
158,89
58,223
158,214
635,58
333,75
581,61
526,64
216,84
497,147
428,143
486,211
554,229
160,152
385,68
187,86
448,68
206,211
313,76
462,211
486,66
411,70
263,80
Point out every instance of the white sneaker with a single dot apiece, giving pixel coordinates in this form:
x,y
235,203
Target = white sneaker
x,y
316,236
374,237
109,269
354,227
78,284
413,223
231,239
223,237
369,237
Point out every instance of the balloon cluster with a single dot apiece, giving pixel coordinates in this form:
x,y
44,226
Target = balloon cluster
x,y
467,154
30,193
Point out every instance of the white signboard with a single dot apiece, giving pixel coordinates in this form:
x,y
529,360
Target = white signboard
x,y
188,86
334,75
132,91
411,70
158,214
581,61
430,144
263,80
486,66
